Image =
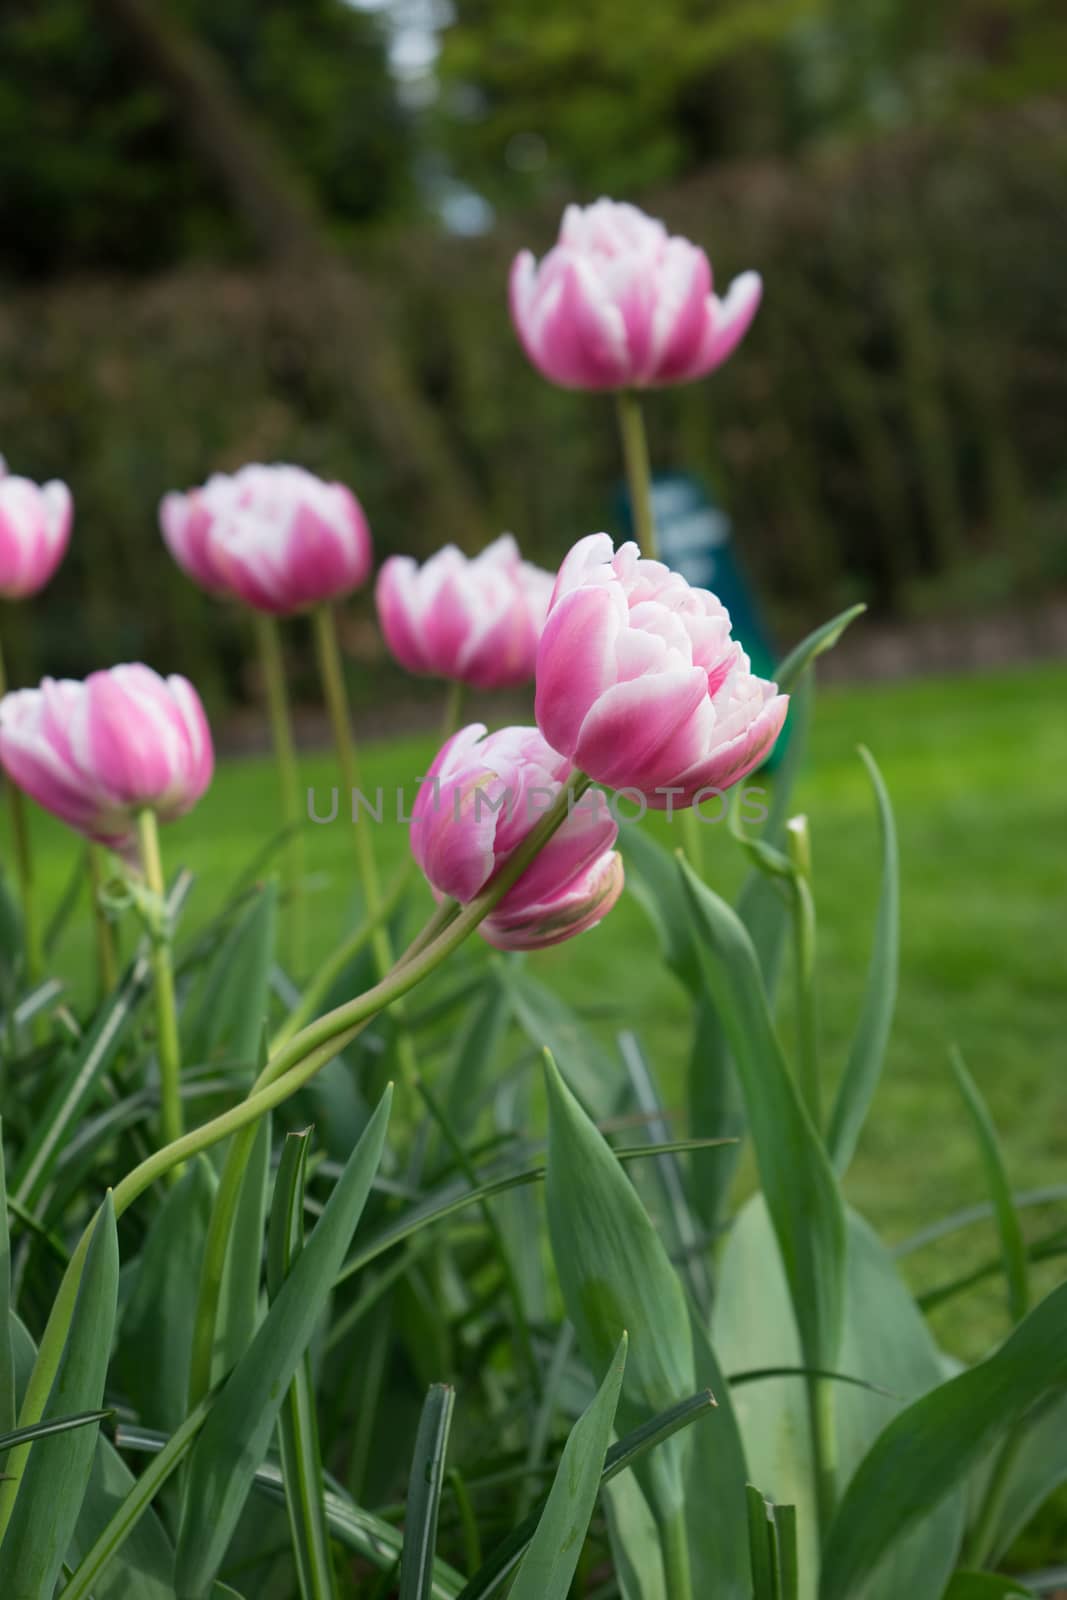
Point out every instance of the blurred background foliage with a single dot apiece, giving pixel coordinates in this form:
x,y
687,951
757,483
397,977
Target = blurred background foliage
x,y
270,230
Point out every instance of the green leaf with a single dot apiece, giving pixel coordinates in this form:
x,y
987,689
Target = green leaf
x,y
1012,1243
41,1430
237,1312
122,1524
298,1432
715,1488
867,1051
476,1053
228,1015
634,1541
424,1494
54,1478
985,1586
813,646
1038,1467
802,1194
88,1063
8,1407
237,1433
156,1331
928,1450
615,1277
886,1346
492,1576
550,1562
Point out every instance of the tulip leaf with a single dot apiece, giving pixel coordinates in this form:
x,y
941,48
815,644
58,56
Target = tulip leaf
x,y
551,1559
42,1429
812,646
867,1051
715,1488
89,1061
55,1476
237,1312
298,1432
886,1347
927,1451
1012,1243
228,1015
492,1576
8,1405
120,1527
985,1586
634,1541
1038,1466
549,1023
802,1194
476,1053
615,1277
156,1331
238,1431
424,1494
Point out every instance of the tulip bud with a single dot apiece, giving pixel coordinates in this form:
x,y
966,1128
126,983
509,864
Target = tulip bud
x,y
275,537
619,303
475,621
96,753
640,684
34,532
480,799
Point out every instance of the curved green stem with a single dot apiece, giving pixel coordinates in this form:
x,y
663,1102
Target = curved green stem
x,y
638,471
453,710
272,663
168,1047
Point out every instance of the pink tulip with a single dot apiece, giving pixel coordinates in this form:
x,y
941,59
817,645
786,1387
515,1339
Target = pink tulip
x,y
34,532
96,753
619,303
640,684
480,799
275,537
476,621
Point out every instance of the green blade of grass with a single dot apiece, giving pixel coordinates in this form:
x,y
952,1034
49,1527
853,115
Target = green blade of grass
x,y
1012,1243
424,1493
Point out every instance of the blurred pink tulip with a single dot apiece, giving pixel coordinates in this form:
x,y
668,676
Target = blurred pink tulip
x,y
640,684
96,753
476,621
34,532
618,303
276,537
480,799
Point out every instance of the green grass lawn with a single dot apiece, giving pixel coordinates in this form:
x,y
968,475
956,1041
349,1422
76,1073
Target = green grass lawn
x,y
977,769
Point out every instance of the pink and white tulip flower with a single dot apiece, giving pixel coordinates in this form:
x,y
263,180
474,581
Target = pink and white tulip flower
x,y
476,621
618,303
275,537
34,532
640,684
480,799
96,753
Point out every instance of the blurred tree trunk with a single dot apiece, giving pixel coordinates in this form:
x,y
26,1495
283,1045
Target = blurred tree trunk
x,y
331,306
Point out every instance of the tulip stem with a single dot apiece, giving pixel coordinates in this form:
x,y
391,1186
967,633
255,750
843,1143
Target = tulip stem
x,y
23,852
453,711
798,846
106,969
272,664
287,1070
168,1048
638,471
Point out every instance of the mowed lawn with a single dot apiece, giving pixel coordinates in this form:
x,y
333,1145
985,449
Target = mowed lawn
x,y
977,769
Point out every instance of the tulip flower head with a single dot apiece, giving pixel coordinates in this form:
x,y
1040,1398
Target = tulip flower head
x,y
618,303
474,621
275,537
640,684
480,799
34,532
97,753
